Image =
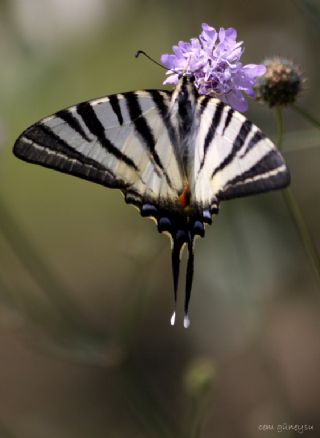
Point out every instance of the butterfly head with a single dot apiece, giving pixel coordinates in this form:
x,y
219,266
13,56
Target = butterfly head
x,y
185,93
186,78
186,83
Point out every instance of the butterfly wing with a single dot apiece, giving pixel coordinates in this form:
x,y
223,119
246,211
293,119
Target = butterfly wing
x,y
132,141
232,157
121,141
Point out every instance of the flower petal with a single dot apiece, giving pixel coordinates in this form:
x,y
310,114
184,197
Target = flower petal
x,y
236,100
208,35
231,34
168,60
171,80
254,70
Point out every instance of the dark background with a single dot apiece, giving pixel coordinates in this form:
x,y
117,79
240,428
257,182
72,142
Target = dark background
x,y
85,282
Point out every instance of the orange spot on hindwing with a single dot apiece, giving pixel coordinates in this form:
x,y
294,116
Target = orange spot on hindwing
x,y
185,197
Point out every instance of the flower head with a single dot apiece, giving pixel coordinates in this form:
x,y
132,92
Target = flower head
x,y
199,377
281,83
214,61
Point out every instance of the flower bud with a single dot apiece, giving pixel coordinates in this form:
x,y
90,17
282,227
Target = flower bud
x,y
281,83
199,377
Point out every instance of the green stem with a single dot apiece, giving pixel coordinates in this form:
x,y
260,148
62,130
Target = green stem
x,y
144,403
131,318
65,308
295,211
309,245
279,125
306,115
199,416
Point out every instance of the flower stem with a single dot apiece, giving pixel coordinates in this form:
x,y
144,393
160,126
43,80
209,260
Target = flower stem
x,y
199,416
309,245
306,115
279,125
295,211
143,402
64,307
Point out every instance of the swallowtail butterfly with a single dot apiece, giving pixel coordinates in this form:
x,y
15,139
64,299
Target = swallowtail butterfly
x,y
174,155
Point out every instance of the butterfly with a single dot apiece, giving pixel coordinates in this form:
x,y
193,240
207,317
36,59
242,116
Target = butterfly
x,y
174,154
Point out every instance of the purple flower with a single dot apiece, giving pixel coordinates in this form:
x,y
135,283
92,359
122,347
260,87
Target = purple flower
x,y
214,61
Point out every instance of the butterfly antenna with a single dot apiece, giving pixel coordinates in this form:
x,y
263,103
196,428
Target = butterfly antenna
x,y
189,278
142,52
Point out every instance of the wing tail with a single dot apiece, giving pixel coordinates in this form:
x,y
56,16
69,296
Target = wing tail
x,y
182,232
177,247
189,279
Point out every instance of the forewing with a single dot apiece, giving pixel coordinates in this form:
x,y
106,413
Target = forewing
x,y
232,156
121,141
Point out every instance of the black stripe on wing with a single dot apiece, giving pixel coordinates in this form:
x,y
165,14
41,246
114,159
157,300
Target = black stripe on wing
x,y
211,131
269,173
114,102
40,145
68,117
237,145
163,111
145,132
228,120
259,135
90,119
204,100
158,98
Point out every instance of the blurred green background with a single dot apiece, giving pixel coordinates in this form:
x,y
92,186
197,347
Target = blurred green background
x,y
85,282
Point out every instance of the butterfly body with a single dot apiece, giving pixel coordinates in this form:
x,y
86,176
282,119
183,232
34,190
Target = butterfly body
x,y
174,155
